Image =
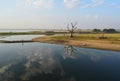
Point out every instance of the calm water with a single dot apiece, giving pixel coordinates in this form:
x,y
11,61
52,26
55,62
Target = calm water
x,y
19,37
51,62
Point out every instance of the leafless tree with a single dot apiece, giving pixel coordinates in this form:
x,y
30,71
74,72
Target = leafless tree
x,y
72,28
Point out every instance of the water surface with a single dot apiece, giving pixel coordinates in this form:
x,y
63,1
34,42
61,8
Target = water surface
x,y
51,62
19,37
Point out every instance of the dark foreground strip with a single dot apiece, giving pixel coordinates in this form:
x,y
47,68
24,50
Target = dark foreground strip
x,y
19,41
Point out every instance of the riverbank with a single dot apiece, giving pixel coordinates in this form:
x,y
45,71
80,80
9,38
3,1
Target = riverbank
x,y
17,41
90,42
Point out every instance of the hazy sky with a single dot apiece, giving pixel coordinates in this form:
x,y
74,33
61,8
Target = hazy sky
x,y
45,14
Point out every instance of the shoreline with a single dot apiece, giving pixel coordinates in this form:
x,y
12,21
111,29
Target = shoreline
x,y
17,41
94,44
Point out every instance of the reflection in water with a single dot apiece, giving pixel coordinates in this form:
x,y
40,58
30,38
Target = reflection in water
x,y
45,62
19,37
71,52
4,68
40,62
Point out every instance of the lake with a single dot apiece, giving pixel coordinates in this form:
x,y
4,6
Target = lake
x,y
52,62
19,37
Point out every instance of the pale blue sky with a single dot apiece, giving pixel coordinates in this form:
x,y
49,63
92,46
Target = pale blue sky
x,y
43,14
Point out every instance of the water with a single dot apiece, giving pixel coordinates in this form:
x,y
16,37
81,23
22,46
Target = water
x,y
20,37
51,62
26,30
18,30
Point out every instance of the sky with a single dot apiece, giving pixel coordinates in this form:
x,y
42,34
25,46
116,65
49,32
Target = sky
x,y
56,14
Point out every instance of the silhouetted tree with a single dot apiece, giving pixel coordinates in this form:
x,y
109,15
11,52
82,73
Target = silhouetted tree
x,y
96,30
49,32
109,30
72,29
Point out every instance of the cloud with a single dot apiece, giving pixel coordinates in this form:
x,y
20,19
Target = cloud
x,y
92,16
70,3
47,4
93,3
97,2
82,3
29,1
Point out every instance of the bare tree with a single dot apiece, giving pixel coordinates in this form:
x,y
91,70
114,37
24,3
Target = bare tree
x,y
72,29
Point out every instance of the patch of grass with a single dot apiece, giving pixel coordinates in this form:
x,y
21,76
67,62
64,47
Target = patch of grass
x,y
109,37
60,37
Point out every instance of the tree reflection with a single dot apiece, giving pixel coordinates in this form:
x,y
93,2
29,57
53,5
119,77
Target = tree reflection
x,y
71,51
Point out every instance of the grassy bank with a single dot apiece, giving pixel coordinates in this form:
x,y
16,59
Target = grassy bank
x,y
81,37
111,42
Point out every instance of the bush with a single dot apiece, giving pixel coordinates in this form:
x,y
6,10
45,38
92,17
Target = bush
x,y
49,32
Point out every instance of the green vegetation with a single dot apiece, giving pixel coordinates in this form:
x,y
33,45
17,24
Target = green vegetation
x,y
108,42
49,33
21,33
96,30
114,38
32,33
111,30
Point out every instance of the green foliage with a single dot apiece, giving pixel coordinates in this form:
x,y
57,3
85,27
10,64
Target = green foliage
x,y
110,37
96,30
49,32
20,33
109,31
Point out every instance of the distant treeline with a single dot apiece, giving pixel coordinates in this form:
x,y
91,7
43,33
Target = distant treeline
x,y
105,30
20,33
52,32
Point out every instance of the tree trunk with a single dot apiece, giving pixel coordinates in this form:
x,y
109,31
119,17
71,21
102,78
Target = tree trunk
x,y
71,35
